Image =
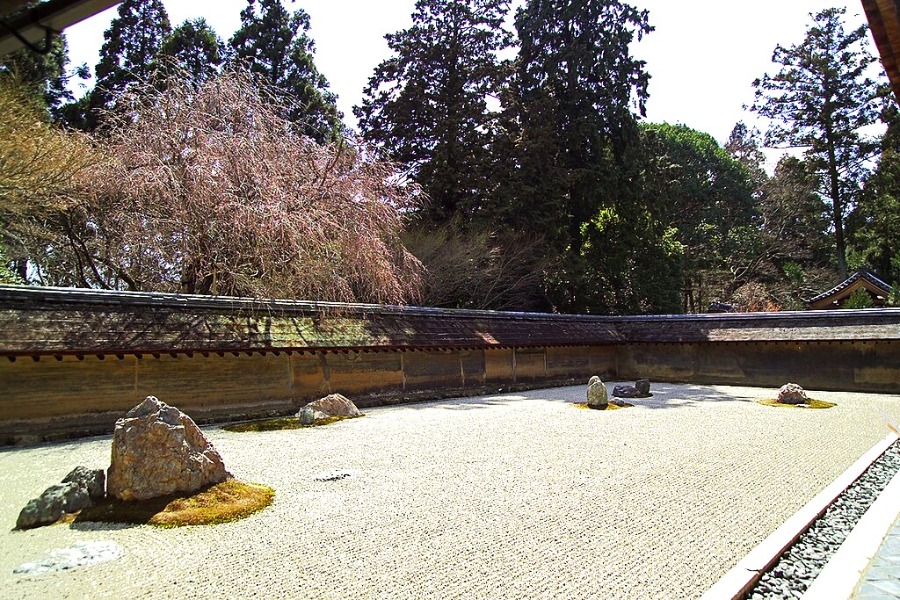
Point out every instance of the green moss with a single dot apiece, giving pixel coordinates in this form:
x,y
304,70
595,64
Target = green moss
x,y
280,424
609,406
227,501
811,404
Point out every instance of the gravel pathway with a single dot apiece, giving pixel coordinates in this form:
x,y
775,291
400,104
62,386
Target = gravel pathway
x,y
505,496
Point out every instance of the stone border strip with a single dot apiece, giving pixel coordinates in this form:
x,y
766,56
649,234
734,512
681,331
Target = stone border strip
x,y
743,576
841,575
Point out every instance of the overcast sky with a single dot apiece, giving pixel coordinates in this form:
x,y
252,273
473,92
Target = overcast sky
x,y
702,57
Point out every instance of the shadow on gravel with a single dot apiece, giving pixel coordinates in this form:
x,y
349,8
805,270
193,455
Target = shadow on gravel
x,y
687,396
472,403
665,396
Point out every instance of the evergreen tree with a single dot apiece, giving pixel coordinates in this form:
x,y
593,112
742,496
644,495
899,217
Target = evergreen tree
x,y
706,195
426,106
194,47
574,167
876,220
819,100
43,70
575,83
44,74
275,45
130,49
744,145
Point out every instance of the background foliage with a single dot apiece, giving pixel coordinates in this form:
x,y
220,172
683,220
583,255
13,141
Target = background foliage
x,y
503,162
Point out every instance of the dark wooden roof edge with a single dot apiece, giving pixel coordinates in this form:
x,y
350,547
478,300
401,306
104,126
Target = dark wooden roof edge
x,y
861,274
884,23
72,298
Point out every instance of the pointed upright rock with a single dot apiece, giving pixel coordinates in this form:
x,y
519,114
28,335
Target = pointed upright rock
x,y
158,450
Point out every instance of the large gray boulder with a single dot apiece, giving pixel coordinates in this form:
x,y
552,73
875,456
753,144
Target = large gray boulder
x,y
332,405
597,396
791,393
158,450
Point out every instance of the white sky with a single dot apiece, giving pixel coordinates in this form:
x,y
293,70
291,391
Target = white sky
x,y
702,57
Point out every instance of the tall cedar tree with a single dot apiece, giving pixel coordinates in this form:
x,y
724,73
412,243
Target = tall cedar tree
x,y
570,114
275,45
129,52
819,100
195,48
426,106
575,83
743,144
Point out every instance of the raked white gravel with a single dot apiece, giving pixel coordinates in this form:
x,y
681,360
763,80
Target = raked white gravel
x,y
508,496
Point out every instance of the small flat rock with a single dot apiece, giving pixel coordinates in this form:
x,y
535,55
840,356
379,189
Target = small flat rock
x,y
81,554
334,476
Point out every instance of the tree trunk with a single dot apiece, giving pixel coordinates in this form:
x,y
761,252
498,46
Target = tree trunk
x,y
837,205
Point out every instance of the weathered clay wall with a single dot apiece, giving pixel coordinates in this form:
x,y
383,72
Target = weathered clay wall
x,y
67,395
870,366
71,363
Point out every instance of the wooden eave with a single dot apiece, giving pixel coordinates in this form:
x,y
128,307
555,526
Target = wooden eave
x,y
884,22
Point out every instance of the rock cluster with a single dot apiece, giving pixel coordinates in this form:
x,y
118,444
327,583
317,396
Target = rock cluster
x,y
158,450
333,405
791,393
597,396
640,389
79,489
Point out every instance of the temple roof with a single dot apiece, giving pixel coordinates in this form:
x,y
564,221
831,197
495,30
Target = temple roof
x,y
861,279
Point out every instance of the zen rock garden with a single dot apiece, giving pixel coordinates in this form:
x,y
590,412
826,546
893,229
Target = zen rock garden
x,y
159,452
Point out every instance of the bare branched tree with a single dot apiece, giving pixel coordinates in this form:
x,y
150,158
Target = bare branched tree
x,y
479,269
39,169
211,190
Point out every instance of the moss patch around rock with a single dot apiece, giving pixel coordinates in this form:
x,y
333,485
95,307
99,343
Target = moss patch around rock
x,y
281,424
811,404
609,406
227,501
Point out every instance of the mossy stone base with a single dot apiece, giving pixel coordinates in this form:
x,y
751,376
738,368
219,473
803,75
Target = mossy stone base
x,y
227,501
281,424
609,406
810,404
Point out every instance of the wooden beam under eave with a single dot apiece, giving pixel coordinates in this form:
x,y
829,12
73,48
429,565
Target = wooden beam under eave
x,y
884,22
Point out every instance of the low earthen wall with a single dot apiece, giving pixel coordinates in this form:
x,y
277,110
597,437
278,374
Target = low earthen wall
x,y
71,363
